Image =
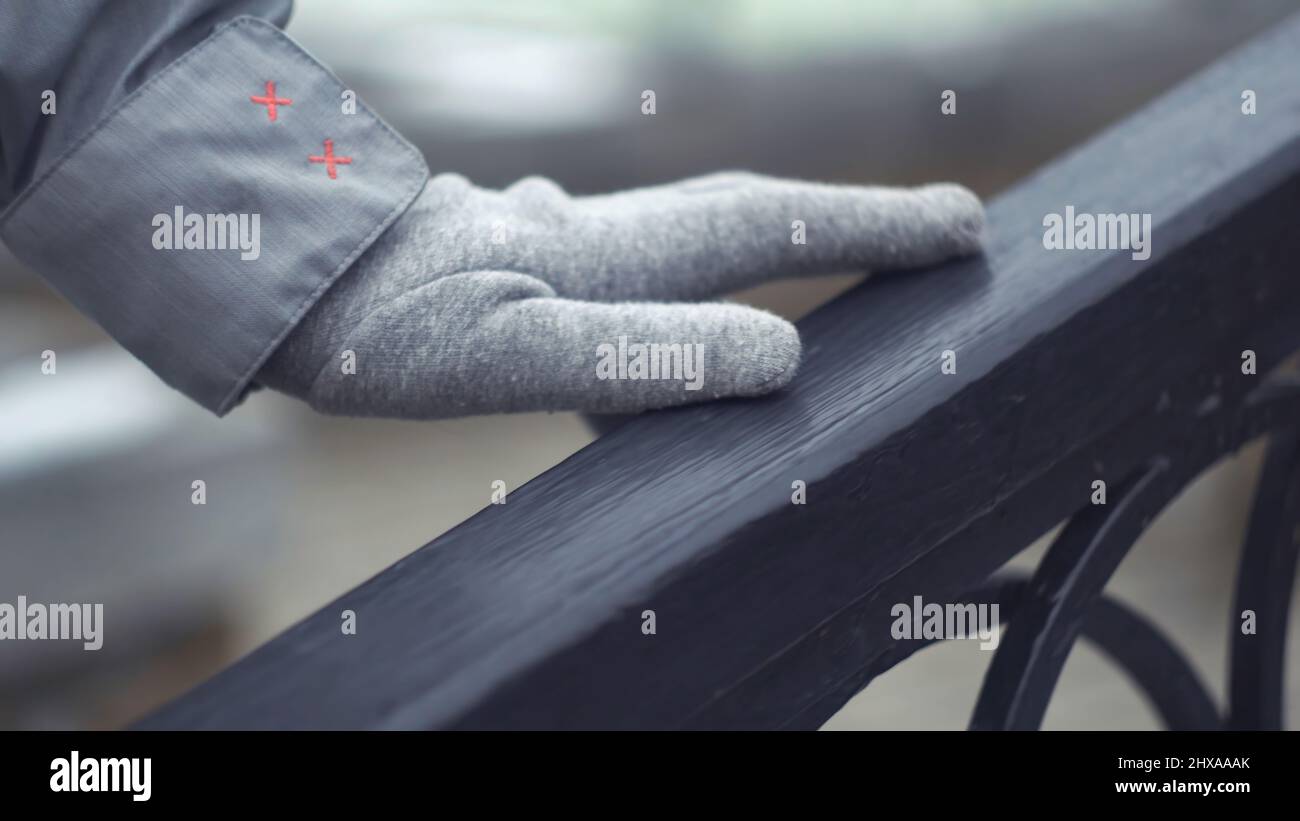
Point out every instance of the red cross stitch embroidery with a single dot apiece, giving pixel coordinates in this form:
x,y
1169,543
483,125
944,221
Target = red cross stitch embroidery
x,y
271,101
330,160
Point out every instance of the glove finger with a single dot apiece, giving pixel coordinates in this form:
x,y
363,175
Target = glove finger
x,y
500,342
718,234
628,357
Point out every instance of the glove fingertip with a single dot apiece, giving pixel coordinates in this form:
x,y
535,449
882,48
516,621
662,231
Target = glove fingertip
x,y
962,214
772,359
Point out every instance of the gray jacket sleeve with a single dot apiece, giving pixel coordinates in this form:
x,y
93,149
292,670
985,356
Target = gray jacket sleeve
x,y
187,176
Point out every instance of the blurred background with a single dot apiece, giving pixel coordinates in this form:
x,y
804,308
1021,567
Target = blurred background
x,y
97,462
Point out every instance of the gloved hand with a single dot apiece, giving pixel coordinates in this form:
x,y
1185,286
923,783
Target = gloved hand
x,y
479,301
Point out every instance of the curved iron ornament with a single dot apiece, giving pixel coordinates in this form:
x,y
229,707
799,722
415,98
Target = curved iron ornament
x,y
1067,583
1129,639
1064,596
1264,580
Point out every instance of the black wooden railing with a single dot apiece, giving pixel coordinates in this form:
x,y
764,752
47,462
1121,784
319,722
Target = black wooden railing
x,y
1072,367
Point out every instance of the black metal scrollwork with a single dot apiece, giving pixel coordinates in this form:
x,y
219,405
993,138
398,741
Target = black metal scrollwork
x,y
1064,599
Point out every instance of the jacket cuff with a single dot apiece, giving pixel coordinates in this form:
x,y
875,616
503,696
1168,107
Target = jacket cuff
x,y
199,221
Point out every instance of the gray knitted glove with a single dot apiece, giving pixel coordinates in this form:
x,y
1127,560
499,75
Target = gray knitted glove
x,y
527,299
